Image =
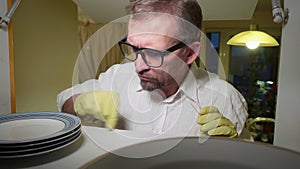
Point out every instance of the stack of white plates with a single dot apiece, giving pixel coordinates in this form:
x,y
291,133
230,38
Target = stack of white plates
x,y
33,133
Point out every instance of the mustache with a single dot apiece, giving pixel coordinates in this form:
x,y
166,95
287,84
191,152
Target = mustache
x,y
142,72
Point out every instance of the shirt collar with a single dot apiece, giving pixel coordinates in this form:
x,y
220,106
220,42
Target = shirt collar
x,y
190,85
139,88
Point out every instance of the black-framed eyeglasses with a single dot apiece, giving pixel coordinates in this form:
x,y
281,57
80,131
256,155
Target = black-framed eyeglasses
x,y
152,57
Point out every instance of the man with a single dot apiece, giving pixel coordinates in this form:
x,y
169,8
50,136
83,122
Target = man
x,y
162,90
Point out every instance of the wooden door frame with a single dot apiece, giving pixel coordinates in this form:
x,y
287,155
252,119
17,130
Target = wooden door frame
x,y
11,64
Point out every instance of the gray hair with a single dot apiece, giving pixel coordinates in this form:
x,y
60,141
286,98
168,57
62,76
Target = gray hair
x,y
189,12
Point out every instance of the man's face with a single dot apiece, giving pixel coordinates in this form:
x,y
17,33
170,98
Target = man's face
x,y
157,34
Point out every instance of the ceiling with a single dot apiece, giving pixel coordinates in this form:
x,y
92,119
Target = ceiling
x,y
101,11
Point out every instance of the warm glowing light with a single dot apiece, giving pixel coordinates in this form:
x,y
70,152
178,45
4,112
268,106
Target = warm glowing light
x,y
252,39
252,44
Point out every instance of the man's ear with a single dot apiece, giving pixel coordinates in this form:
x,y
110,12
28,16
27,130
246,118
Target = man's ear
x,y
192,53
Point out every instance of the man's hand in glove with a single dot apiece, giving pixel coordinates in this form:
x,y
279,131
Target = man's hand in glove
x,y
213,123
100,104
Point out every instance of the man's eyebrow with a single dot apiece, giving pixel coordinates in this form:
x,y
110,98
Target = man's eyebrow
x,y
139,45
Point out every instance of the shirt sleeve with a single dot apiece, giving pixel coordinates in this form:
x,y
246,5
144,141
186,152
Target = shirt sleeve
x,y
239,110
228,99
104,82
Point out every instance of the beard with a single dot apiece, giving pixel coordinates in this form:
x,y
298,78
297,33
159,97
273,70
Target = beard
x,y
159,82
150,86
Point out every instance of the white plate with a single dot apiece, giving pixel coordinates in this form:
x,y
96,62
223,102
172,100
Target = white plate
x,y
42,149
35,127
215,153
36,145
28,134
28,129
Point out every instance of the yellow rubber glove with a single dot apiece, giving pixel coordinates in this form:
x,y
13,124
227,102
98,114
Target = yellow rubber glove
x,y
213,123
100,104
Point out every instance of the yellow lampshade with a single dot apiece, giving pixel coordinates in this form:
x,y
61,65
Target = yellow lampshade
x,y
252,39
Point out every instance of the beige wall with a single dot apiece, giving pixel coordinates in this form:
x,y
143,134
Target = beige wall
x,y
45,47
4,65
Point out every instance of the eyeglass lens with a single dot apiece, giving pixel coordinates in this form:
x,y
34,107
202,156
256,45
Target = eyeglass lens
x,y
151,57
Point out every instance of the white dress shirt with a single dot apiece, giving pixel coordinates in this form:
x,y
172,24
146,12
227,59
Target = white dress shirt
x,y
176,115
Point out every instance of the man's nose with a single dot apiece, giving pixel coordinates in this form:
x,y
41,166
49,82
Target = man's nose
x,y
140,64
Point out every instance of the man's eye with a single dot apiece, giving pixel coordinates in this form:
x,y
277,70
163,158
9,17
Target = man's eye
x,y
134,50
151,53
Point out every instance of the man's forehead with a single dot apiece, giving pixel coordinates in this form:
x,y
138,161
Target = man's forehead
x,y
158,25
150,36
